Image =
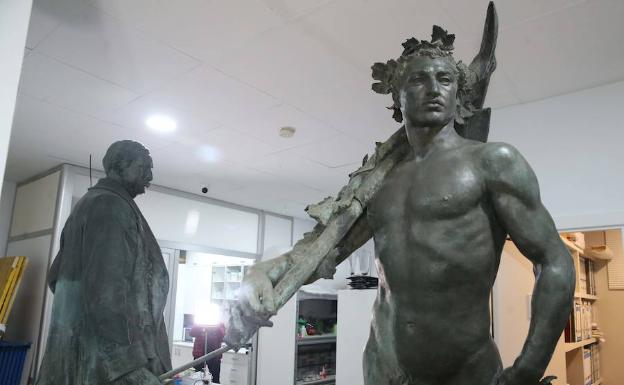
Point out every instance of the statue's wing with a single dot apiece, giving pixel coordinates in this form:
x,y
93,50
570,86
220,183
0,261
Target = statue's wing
x,y
477,126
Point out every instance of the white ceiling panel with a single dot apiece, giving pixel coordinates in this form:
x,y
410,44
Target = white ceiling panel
x,y
201,28
566,51
47,15
288,10
364,32
188,159
338,151
52,81
234,146
104,47
288,59
189,125
265,126
32,115
218,149
46,129
177,158
215,95
470,14
306,172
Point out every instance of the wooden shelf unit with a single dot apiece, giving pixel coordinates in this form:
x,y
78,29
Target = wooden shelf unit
x,y
576,369
569,346
588,297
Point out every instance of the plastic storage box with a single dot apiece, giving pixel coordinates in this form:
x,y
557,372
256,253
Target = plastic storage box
x,y
12,357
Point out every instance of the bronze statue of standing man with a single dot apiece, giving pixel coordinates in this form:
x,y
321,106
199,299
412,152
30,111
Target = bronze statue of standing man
x,y
439,221
110,284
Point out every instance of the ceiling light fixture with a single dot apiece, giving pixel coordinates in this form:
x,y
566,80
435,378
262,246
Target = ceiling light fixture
x,y
287,132
161,123
209,154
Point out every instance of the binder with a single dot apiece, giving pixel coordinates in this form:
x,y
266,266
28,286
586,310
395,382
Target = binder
x,y
578,336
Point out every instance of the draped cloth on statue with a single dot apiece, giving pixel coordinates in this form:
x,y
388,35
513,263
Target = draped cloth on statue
x,y
110,287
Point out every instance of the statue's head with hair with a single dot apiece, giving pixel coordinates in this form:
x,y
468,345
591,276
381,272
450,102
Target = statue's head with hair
x,y
129,163
391,76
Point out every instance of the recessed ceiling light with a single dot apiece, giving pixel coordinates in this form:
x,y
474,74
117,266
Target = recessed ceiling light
x,y
287,132
209,154
161,123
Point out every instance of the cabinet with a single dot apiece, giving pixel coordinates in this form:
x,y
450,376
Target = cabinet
x,y
234,368
226,281
315,352
181,353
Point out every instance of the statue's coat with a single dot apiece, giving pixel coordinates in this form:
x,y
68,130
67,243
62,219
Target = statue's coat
x,y
110,287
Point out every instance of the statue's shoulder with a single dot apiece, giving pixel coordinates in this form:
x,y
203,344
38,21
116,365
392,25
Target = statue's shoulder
x,y
504,165
498,155
104,203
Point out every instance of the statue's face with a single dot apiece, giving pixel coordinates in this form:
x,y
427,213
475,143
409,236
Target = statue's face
x,y
429,92
138,175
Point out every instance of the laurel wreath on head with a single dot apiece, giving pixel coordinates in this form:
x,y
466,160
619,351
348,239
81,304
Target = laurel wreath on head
x,y
389,74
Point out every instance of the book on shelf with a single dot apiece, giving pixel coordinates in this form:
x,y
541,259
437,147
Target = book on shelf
x,y
577,321
579,326
587,279
583,275
587,372
594,350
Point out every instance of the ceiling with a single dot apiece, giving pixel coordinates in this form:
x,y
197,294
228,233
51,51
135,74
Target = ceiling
x,y
232,72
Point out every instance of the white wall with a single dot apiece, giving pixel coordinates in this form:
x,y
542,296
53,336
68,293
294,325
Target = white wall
x,y
574,143
191,221
6,210
14,20
355,313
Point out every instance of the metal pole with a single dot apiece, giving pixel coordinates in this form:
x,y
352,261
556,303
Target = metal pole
x,y
196,362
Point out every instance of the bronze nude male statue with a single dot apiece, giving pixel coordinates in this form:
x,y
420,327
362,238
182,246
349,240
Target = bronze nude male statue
x,y
439,218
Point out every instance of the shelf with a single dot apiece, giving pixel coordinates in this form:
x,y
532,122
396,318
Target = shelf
x,y
569,346
590,297
319,381
572,246
322,339
599,253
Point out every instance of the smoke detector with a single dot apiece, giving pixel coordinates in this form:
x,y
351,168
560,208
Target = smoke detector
x,y
287,132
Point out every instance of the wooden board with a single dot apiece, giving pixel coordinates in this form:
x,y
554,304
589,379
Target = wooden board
x,y
12,271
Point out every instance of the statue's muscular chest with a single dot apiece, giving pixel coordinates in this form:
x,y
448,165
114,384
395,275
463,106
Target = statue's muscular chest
x,y
439,188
